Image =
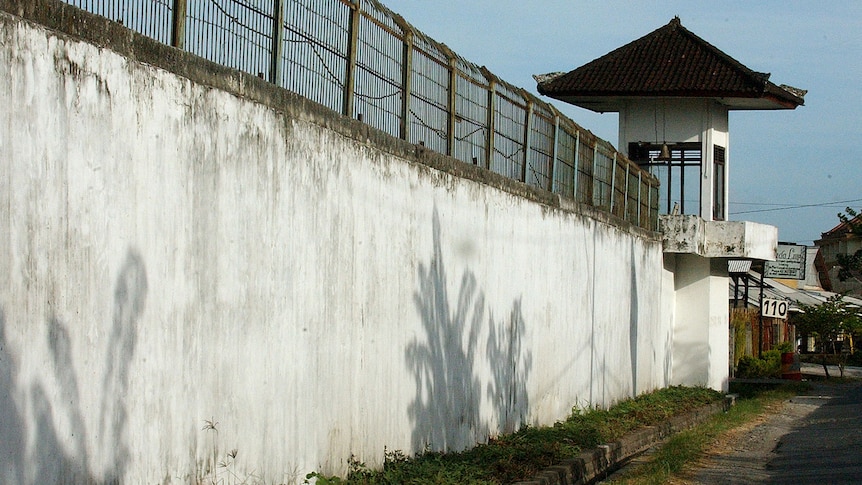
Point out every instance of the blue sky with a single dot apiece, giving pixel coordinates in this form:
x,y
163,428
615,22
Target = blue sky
x,y
786,165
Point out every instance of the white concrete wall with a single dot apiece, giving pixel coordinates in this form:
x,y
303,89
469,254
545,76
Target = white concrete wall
x,y
174,255
660,120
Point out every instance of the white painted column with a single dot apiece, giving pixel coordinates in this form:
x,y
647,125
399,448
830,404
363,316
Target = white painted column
x,y
700,339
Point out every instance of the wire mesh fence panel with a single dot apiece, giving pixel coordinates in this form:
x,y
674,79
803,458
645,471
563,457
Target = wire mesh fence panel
x,y
632,196
429,96
643,203
509,126
471,122
379,73
619,179
540,157
586,156
564,167
654,207
602,174
233,33
316,42
392,59
148,17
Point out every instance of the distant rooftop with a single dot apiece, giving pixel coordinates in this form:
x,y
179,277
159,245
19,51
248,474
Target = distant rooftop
x,y
669,62
843,229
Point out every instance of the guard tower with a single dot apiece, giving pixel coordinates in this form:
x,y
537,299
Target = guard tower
x,y
673,92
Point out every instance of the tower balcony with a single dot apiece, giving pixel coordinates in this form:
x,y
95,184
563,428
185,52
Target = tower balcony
x,y
690,234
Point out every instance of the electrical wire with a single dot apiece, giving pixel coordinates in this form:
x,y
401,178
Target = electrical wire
x,y
802,206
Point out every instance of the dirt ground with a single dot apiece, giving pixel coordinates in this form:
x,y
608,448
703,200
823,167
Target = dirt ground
x,y
808,439
741,456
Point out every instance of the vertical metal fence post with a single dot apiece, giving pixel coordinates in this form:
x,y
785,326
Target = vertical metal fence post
x,y
528,134
595,185
352,49
577,176
626,204
653,211
178,26
613,181
277,42
453,88
492,116
406,82
649,207
640,194
553,167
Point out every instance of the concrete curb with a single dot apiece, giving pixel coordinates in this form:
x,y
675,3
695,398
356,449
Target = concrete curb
x,y
601,461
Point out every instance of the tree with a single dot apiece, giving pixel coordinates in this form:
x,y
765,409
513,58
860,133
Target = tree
x,y
826,322
850,265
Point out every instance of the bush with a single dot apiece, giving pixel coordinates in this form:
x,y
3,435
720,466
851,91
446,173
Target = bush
x,y
767,366
784,347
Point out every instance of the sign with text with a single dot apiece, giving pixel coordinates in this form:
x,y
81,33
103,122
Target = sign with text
x,y
789,263
774,308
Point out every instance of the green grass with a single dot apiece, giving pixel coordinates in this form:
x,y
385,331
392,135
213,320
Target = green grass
x,y
523,454
688,446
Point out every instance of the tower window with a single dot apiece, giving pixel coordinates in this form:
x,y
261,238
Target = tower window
x,y
718,186
679,175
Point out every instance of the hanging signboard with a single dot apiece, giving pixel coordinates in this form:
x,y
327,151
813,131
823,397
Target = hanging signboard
x,y
789,263
773,308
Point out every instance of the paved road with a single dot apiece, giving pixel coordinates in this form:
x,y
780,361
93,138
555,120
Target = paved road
x,y
834,371
817,438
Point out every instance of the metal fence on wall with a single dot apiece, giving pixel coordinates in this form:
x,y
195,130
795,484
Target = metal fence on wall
x,y
362,60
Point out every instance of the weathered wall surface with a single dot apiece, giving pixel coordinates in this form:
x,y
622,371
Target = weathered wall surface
x,y
188,271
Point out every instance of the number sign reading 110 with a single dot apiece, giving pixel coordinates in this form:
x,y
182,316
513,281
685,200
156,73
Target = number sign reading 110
x,y
774,308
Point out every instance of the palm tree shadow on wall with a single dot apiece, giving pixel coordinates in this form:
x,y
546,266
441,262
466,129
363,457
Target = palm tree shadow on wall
x,y
446,409
12,431
59,454
511,367
130,296
45,459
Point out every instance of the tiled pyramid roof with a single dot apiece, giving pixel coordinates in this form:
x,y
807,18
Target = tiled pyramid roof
x,y
669,62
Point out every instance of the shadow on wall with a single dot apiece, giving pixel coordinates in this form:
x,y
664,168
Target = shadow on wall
x,y
130,295
60,455
511,367
633,326
446,409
